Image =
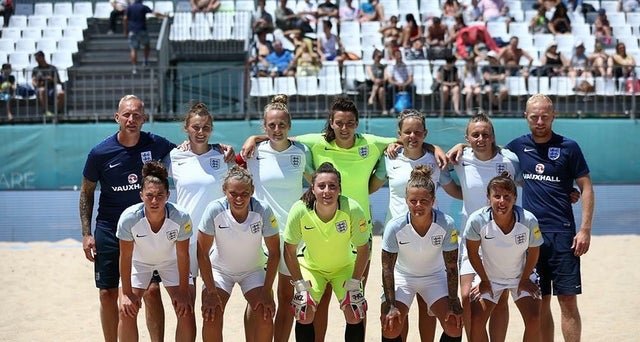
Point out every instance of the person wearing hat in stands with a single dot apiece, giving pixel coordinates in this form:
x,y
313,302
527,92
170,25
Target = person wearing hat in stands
x,y
578,67
494,75
552,62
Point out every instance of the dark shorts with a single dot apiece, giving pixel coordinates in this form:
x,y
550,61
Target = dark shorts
x,y
107,260
138,39
557,266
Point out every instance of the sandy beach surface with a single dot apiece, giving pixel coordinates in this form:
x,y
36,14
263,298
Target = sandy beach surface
x,y
49,295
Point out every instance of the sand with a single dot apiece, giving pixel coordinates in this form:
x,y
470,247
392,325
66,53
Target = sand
x,y
49,295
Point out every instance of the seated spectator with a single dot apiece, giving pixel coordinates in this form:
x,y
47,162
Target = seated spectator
x,y
348,12
411,31
552,62
7,88
288,21
625,5
261,18
415,52
472,83
494,75
622,64
472,12
281,62
119,10
449,81
450,9
307,11
260,49
437,34
327,10
46,82
399,76
539,23
579,68
479,52
371,11
602,28
391,36
329,45
458,25
376,80
6,10
510,57
204,6
560,22
492,10
307,61
599,61
471,35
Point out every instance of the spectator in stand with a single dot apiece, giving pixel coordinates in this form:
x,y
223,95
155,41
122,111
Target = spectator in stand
x,y
579,64
469,36
204,6
560,22
494,76
327,10
371,11
288,21
491,10
281,62
119,10
472,12
6,10
625,5
472,82
603,28
329,46
437,34
552,62
46,82
622,64
510,57
135,28
307,61
450,9
307,11
399,77
262,18
411,31
7,88
348,12
458,25
415,52
260,49
377,81
599,61
539,23
391,35
449,81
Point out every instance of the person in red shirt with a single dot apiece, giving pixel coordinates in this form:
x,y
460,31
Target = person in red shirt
x,y
472,35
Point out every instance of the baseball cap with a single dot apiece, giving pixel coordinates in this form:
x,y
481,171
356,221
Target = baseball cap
x,y
492,54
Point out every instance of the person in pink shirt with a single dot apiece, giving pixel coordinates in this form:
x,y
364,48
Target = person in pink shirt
x,y
491,9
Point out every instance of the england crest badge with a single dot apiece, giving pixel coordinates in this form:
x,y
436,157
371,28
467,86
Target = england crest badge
x,y
145,156
553,153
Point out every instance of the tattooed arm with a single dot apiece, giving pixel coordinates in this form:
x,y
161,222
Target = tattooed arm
x,y
451,265
390,313
86,210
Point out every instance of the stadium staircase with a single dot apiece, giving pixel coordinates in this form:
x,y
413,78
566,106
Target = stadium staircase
x,y
102,73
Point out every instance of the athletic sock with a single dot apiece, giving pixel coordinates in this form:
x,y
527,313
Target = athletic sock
x,y
446,338
305,332
354,332
396,339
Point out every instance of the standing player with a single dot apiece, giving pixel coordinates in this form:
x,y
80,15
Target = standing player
x,y
197,175
154,237
412,132
330,226
424,242
550,164
278,168
510,241
230,251
116,163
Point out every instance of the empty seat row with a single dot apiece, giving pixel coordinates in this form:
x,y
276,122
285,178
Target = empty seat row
x,y
82,8
37,33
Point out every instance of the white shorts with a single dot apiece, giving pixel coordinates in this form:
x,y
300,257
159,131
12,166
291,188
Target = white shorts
x,y
193,259
282,266
141,275
247,281
430,288
464,266
498,288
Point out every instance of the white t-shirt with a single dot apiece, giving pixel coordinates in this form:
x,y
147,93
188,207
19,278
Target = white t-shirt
x,y
198,180
503,255
475,174
154,249
420,255
237,246
310,6
277,176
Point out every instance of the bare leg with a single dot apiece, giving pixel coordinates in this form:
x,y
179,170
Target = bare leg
x,y
284,316
262,329
186,326
465,287
322,315
154,312
109,314
128,327
530,311
133,56
546,319
499,320
455,97
570,316
426,323
147,50
212,330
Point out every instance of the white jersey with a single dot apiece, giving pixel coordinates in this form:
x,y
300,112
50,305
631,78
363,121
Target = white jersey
x,y
237,246
475,174
198,180
398,171
503,255
154,249
420,255
277,176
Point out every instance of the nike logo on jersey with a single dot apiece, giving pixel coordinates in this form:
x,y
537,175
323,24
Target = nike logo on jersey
x,y
307,228
111,166
182,163
138,235
529,149
222,227
259,158
489,237
329,149
403,242
396,167
465,164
